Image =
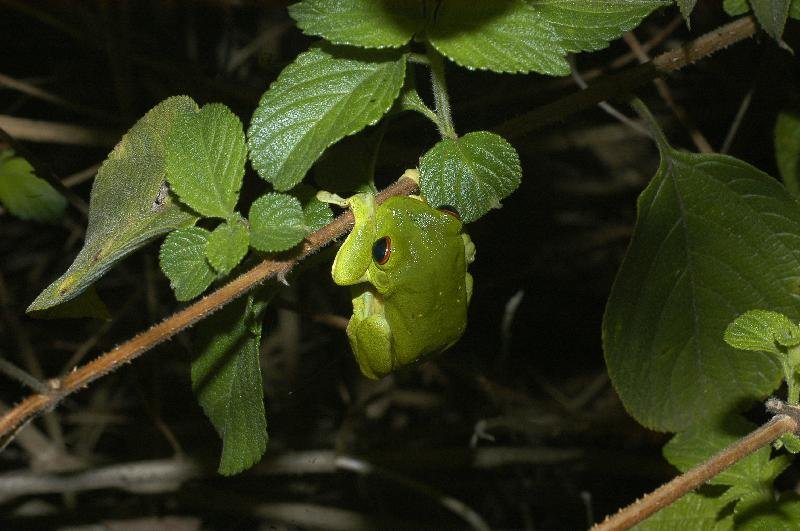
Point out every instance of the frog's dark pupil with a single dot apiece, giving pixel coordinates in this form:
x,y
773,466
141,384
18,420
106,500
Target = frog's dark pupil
x,y
448,209
381,250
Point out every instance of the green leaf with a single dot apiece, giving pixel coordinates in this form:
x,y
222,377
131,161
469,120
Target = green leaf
x,y
787,149
87,304
129,204
348,167
588,25
751,475
277,222
760,330
686,7
498,35
780,515
24,194
532,35
472,173
325,95
735,7
714,237
315,213
205,160
771,15
227,245
226,378
183,260
794,9
368,23
694,511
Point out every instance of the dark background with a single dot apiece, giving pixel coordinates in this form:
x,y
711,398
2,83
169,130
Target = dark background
x,y
538,389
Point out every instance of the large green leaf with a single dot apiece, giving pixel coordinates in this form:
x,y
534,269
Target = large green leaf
x,y
129,203
205,160
24,194
714,237
226,378
326,94
472,173
368,23
787,150
531,35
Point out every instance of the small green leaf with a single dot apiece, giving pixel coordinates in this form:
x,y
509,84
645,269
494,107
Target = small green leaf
x,y
205,160
87,304
367,23
183,260
325,95
794,9
714,237
790,442
787,149
760,330
226,378
277,222
227,245
735,7
316,213
472,173
129,204
771,15
24,194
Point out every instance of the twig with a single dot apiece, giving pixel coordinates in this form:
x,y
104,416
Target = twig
x,y
58,132
36,92
614,86
669,492
126,352
700,141
737,122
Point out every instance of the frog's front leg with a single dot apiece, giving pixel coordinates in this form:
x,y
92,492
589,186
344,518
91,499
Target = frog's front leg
x,y
371,339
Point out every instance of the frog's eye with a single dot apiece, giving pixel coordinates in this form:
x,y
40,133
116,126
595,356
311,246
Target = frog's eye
x,y
382,250
447,209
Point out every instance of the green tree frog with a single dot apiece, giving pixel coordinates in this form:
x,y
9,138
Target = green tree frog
x,y
407,264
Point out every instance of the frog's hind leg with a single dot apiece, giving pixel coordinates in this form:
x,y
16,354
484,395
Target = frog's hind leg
x,y
372,344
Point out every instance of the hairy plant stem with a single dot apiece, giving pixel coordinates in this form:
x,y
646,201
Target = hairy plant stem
x,y
80,377
440,98
687,482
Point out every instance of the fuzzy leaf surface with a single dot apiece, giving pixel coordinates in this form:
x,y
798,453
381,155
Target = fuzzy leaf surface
x,y
714,237
531,35
277,222
183,259
316,214
227,245
367,23
472,173
327,93
226,378
24,194
205,160
694,511
128,205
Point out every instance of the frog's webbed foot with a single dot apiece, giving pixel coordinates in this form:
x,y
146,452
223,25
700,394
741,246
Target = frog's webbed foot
x,y
371,340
